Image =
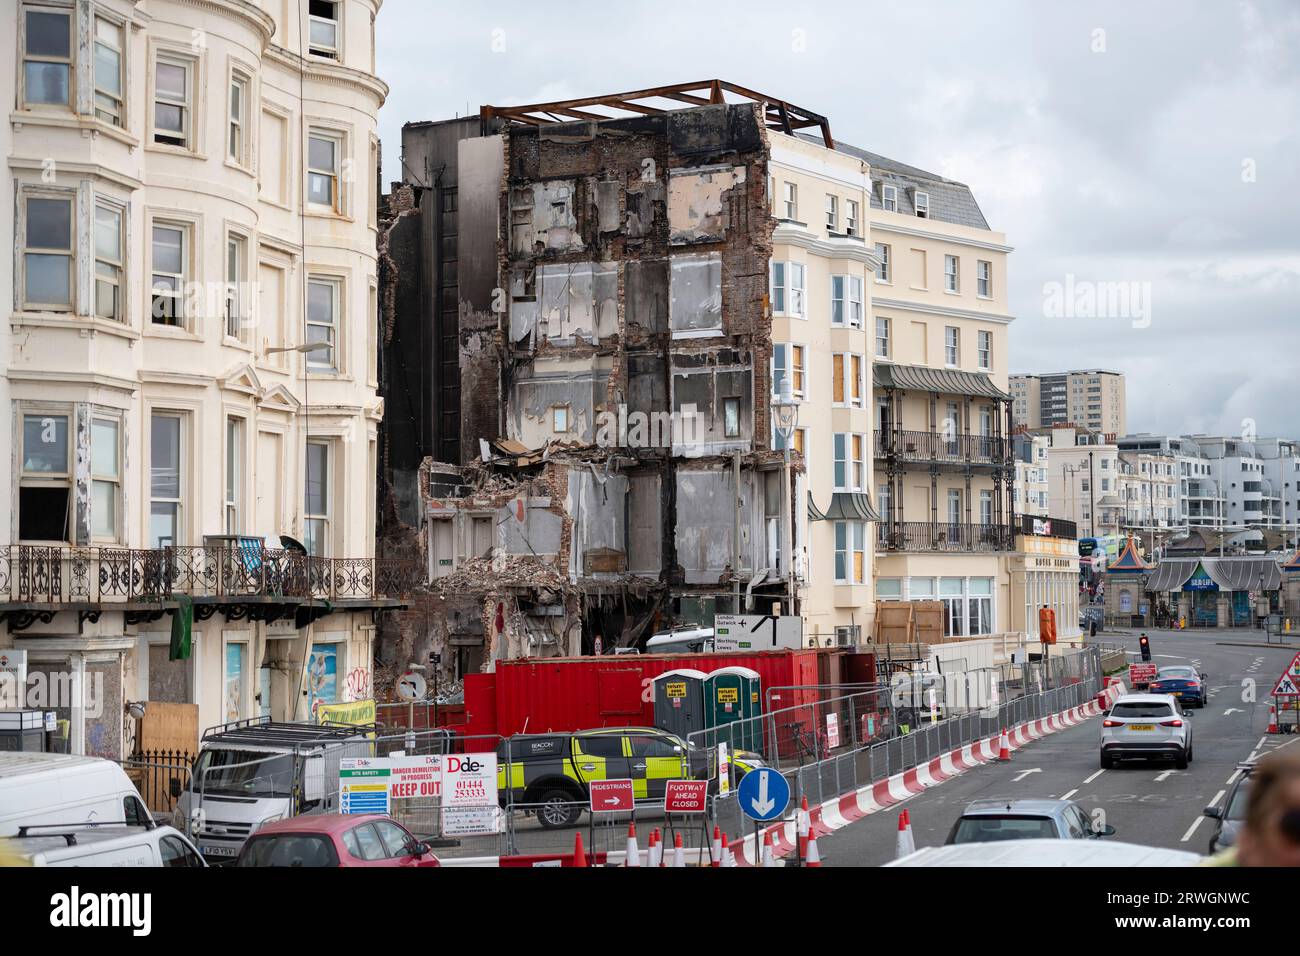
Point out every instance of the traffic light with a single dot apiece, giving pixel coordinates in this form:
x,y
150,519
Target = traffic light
x,y
1145,643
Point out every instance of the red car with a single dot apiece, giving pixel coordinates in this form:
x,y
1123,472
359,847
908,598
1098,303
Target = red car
x,y
335,839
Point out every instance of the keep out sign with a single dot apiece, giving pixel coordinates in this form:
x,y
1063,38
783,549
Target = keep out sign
x,y
416,777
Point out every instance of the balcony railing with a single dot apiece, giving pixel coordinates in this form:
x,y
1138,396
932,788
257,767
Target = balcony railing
x,y
59,575
944,536
937,447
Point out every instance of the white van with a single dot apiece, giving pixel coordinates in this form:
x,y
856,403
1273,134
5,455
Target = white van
x,y
105,846
65,789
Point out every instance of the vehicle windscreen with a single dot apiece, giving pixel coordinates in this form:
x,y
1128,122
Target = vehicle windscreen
x,y
1240,797
1141,711
289,849
1177,673
994,829
245,773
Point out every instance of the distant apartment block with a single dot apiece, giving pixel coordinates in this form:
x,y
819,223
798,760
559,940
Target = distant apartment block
x,y
1091,399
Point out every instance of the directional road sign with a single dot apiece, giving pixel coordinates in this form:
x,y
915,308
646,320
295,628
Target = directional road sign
x,y
764,794
612,796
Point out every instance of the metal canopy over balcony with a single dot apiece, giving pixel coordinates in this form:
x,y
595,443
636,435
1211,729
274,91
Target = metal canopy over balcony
x,y
263,584
845,506
946,381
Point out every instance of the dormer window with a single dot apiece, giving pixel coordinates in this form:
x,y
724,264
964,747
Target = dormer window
x,y
922,204
889,197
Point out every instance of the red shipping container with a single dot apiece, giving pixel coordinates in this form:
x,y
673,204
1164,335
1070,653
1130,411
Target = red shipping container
x,y
531,695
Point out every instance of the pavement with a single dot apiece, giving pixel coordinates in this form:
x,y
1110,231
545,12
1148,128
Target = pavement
x,y
1148,803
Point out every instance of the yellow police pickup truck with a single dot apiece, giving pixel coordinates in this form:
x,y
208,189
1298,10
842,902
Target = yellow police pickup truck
x,y
549,773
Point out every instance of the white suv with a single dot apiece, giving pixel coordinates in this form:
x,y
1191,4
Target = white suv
x,y
1146,725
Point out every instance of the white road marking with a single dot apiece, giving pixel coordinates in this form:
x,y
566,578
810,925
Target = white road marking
x,y
1235,775
1192,829
1262,741
1024,773
1217,797
1165,775
1094,776
1233,710
1067,796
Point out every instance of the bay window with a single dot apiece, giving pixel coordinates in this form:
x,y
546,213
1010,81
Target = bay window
x,y
108,262
323,297
316,503
47,57
173,119
788,289
45,479
164,480
105,479
47,253
109,46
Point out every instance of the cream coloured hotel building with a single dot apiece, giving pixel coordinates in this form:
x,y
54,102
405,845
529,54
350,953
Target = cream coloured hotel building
x,y
189,363
889,303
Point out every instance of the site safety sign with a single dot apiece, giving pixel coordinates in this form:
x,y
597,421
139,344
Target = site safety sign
x,y
363,785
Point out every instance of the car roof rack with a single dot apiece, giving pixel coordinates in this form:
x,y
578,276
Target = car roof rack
x,y
264,731
65,830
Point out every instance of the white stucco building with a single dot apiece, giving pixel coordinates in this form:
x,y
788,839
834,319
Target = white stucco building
x,y
190,361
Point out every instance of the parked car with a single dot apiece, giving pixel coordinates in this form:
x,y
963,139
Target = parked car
x,y
1148,726
125,846
1229,817
335,839
1180,681
990,821
1021,853
66,789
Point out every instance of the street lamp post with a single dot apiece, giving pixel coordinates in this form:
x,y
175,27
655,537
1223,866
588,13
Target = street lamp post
x,y
786,419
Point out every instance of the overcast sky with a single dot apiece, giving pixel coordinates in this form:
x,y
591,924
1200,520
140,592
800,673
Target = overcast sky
x,y
1152,143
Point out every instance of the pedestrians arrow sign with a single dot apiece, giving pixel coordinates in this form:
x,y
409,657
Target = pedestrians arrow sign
x,y
764,794
1024,773
612,796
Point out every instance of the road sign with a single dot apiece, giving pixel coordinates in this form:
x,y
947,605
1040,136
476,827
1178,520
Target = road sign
x,y
764,794
411,686
469,794
612,796
832,730
1140,674
724,770
686,796
756,632
1288,685
419,776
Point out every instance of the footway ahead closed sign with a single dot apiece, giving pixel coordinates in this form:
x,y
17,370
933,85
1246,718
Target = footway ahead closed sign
x,y
686,796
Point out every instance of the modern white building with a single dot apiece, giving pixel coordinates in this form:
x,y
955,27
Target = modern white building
x,y
190,363
1030,496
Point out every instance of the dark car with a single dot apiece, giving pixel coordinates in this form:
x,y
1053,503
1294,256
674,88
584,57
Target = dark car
x,y
1229,817
335,839
1182,682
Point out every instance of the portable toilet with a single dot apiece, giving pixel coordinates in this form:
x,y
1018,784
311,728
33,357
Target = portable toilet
x,y
679,702
734,696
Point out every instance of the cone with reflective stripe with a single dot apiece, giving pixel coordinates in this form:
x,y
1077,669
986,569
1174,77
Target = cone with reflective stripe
x,y
679,854
659,848
633,853
766,859
651,847
715,848
728,858
904,846
1004,747
812,857
911,839
579,854
1272,719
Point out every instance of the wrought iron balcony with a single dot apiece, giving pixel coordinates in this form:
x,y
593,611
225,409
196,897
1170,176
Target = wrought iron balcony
x,y
945,536
52,575
928,447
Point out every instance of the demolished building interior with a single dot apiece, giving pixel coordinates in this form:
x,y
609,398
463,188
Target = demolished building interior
x,y
602,465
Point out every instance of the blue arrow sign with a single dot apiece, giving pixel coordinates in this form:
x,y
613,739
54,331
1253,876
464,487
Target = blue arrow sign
x,y
763,794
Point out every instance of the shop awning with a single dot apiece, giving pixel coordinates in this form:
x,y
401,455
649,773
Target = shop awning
x,y
1171,574
948,381
1244,575
845,506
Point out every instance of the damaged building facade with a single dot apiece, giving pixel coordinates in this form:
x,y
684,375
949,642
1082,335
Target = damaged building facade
x,y
568,265
603,465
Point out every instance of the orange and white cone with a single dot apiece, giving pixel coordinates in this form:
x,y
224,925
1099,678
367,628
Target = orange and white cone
x,y
579,854
812,857
652,849
1272,719
1004,747
633,852
900,844
715,848
911,838
766,859
679,854
728,858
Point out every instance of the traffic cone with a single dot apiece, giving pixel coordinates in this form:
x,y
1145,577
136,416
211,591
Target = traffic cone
x,y
633,853
728,858
659,848
715,848
812,857
579,854
766,860
651,847
803,828
679,854
900,846
1272,719
911,839
1004,747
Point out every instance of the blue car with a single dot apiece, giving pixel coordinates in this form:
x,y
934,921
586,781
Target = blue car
x,y
1181,682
